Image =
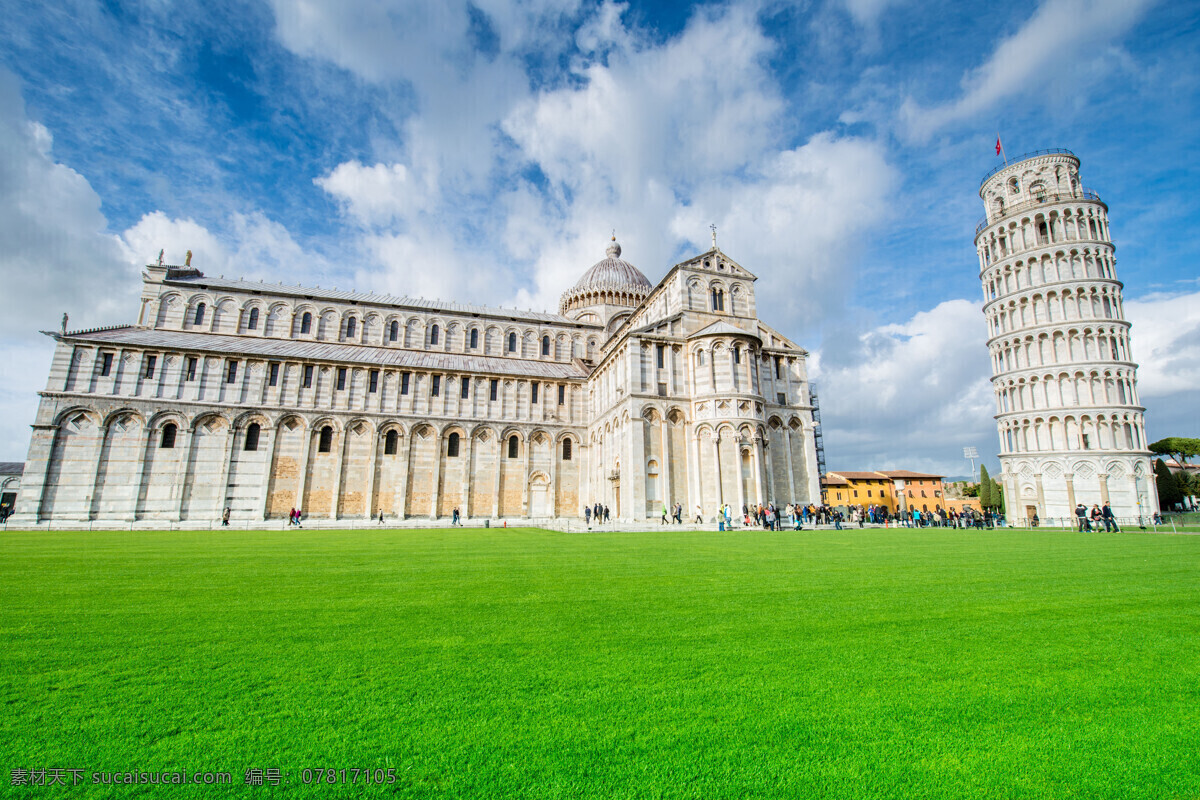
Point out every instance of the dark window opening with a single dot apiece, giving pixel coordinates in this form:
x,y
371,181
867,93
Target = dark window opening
x,y
252,433
231,372
562,395
660,355
273,374
168,436
433,335
452,446
389,443
662,389
393,331
474,338
150,362
341,378
778,368
781,398
105,364
545,345
566,450
404,376
326,442
308,377
252,323
373,381
464,385
191,369
493,389
306,323
351,327
514,446
199,318
737,355
533,392
437,385
512,343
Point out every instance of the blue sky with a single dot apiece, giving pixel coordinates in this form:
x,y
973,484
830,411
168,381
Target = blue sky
x,y
483,151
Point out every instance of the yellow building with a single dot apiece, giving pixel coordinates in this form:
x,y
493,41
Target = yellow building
x,y
892,489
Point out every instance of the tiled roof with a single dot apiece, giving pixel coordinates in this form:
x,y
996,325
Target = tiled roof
x,y
861,476
722,328
904,473
285,349
833,480
12,467
414,303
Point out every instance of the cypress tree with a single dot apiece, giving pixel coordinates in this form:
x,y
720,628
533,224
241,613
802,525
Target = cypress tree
x,y
985,488
1169,491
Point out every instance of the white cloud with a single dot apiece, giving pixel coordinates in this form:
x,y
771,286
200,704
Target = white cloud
x,y
375,195
56,256
910,395
1165,340
1057,47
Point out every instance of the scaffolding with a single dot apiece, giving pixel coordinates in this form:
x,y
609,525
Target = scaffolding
x,y
818,437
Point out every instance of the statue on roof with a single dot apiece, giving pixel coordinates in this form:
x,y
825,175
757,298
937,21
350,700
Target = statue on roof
x,y
188,262
160,257
64,322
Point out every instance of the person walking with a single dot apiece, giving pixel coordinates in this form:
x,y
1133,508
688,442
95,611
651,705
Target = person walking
x,y
587,516
225,517
606,517
1081,517
699,516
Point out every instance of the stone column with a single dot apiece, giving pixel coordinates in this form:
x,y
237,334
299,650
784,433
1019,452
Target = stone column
x,y
500,444
267,471
694,481
373,466
181,470
552,500
666,465
435,493
102,430
1103,488
525,477
341,439
223,486
758,485
1041,495
32,494
1070,479
401,502
787,438
716,454
140,471
302,473
741,488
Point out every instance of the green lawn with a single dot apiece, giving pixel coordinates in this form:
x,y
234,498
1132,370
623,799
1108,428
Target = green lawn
x,y
522,663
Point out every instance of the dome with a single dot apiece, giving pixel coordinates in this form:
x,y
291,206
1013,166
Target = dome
x,y
612,272
610,281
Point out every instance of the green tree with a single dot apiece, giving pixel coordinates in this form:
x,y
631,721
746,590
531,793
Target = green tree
x,y
1169,490
997,495
1179,448
985,488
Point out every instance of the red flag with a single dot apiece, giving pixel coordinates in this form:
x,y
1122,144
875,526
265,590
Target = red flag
x,y
998,148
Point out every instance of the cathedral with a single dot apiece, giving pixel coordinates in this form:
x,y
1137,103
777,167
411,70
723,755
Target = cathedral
x,y
262,398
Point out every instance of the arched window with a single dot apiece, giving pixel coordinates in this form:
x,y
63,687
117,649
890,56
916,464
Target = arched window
x,y
699,358
326,443
474,338
252,433
566,450
252,323
718,299
394,331
389,442
199,318
545,345
512,343
306,323
168,436
452,446
351,327
514,446
433,335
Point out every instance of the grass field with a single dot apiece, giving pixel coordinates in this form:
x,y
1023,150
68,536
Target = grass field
x,y
519,663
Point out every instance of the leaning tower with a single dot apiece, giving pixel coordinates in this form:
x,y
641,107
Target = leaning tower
x,y
1067,408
